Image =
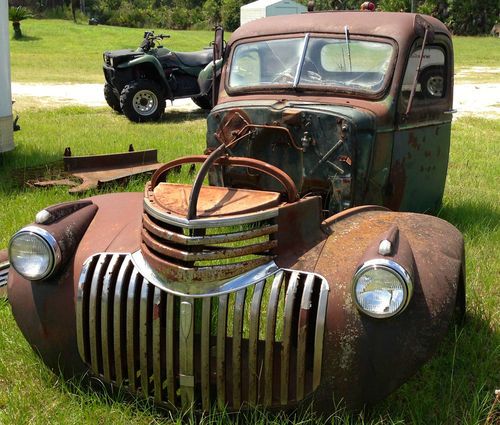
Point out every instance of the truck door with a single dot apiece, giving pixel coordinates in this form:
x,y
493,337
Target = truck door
x,y
422,137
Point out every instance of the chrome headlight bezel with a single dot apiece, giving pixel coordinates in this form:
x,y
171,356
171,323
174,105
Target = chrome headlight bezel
x,y
53,251
398,271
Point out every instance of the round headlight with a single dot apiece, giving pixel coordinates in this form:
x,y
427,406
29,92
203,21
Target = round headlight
x,y
382,288
34,253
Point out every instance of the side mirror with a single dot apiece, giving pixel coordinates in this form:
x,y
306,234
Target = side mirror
x,y
218,43
421,26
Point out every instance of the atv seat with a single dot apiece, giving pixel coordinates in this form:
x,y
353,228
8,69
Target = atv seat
x,y
200,58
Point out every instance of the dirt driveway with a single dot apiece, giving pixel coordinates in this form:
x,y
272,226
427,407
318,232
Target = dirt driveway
x,y
477,99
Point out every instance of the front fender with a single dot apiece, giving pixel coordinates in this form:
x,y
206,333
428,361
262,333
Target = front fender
x,y
45,310
367,358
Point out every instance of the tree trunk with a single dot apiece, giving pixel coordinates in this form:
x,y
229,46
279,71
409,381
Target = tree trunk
x,y
17,29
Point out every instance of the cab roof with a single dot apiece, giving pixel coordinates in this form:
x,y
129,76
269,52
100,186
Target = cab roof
x,y
398,26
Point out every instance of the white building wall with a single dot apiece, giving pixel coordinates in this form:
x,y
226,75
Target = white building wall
x,y
6,132
261,9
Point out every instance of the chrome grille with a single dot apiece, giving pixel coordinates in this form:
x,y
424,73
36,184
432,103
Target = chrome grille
x,y
187,250
4,275
260,345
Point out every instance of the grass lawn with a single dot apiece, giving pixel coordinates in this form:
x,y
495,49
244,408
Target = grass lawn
x,y
455,387
62,51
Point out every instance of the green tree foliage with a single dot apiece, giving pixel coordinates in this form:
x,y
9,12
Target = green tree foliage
x,y
467,17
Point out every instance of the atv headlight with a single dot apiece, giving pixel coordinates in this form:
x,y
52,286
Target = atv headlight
x,y
34,253
382,288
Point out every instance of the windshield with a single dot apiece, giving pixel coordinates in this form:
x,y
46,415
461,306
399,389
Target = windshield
x,y
311,61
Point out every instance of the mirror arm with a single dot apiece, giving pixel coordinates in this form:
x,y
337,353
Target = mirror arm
x,y
417,74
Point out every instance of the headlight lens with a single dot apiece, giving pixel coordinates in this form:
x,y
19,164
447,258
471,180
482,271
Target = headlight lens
x,y
382,288
34,253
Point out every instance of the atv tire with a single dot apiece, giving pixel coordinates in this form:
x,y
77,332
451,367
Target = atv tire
x,y
142,101
111,98
204,102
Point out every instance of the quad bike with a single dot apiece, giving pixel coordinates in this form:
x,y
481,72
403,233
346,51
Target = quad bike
x,y
138,82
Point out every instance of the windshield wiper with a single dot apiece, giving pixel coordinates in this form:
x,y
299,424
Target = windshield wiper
x,y
301,61
346,32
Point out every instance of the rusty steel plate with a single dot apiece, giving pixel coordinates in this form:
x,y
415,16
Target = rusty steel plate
x,y
214,201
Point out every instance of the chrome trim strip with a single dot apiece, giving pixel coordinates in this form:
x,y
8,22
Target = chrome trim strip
x,y
305,307
169,333
207,239
143,337
82,306
132,321
208,222
106,297
95,292
272,310
205,289
253,340
239,311
119,328
320,333
206,314
291,294
186,351
221,350
156,318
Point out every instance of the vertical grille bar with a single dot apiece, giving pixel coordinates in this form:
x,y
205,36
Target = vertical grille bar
x,y
169,333
221,351
157,363
205,352
82,307
253,337
272,309
186,348
291,293
118,310
143,338
305,306
131,337
319,333
94,311
107,307
239,307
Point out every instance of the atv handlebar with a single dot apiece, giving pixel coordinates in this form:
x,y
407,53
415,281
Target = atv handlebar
x,y
150,38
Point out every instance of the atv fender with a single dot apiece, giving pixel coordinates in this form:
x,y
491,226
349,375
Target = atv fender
x,y
154,63
205,78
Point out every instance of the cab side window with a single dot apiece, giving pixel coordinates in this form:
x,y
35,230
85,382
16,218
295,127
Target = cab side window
x,y
431,83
